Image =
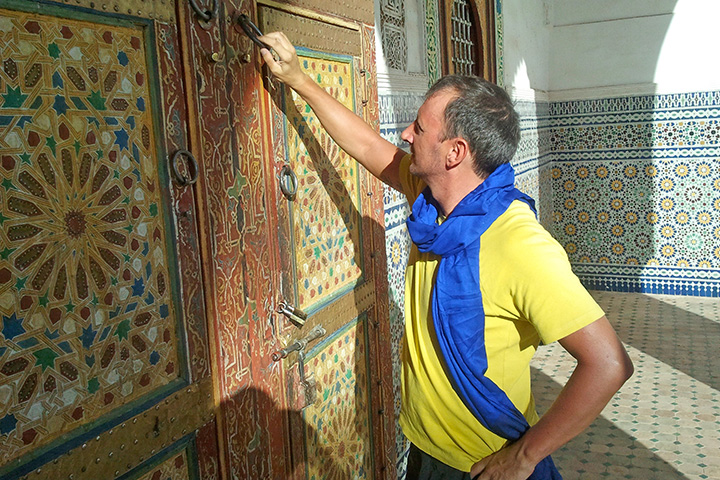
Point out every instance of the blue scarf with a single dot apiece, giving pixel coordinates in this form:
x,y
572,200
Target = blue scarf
x,y
457,306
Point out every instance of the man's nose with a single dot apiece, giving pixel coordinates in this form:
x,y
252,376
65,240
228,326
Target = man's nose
x,y
407,134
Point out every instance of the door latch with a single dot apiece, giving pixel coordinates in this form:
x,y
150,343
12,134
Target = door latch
x,y
299,345
307,382
294,314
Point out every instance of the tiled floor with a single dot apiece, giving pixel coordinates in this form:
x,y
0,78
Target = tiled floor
x,y
665,422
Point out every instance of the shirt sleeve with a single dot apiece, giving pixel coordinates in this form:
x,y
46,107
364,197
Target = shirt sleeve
x,y
545,290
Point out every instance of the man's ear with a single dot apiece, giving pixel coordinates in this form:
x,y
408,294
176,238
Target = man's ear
x,y
459,152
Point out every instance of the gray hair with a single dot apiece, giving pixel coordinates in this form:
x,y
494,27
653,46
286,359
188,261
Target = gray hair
x,y
483,114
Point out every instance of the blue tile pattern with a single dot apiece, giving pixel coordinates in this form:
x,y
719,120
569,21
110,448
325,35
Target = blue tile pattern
x,y
397,111
533,156
635,188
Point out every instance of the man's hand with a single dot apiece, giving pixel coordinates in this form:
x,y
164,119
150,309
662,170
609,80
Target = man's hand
x,y
602,367
357,138
285,66
505,464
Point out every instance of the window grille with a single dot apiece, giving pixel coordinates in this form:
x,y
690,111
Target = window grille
x,y
462,38
467,37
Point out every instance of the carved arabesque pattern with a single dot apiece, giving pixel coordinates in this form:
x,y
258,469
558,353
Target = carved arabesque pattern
x,y
392,31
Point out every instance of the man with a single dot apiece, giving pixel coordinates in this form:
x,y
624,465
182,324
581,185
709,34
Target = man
x,y
485,284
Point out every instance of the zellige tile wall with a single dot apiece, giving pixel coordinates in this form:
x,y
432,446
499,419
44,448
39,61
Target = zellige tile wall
x,y
630,187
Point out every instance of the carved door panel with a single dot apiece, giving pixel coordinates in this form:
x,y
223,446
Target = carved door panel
x,y
332,258
237,226
104,357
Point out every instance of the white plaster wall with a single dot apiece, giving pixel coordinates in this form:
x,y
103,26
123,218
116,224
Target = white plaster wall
x,y
572,12
526,41
611,46
688,59
556,45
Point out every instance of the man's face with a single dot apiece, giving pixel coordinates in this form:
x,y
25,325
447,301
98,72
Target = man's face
x,y
425,136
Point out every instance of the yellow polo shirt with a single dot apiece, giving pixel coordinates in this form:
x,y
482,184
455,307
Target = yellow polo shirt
x,y
529,294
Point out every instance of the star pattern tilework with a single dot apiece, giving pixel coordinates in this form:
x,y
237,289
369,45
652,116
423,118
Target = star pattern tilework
x,y
86,317
327,221
636,191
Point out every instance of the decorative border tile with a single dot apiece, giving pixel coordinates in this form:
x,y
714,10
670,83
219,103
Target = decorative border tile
x,y
629,182
397,112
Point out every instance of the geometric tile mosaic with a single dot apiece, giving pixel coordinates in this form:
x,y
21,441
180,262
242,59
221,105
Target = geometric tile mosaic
x,y
338,425
87,321
636,191
396,209
664,422
397,111
398,248
326,215
630,187
608,214
532,157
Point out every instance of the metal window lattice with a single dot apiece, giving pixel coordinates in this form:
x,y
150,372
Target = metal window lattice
x,y
463,49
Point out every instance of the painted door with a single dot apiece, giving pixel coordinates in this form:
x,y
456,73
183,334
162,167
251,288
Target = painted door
x,y
104,356
268,427
237,227
332,257
140,320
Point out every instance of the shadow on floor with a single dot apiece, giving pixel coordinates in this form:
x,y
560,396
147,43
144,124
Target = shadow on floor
x,y
603,450
683,340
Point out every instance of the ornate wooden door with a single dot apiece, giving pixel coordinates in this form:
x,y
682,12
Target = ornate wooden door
x,y
104,356
332,256
140,329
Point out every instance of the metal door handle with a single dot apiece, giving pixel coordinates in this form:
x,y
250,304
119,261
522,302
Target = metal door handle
x,y
251,30
204,14
192,169
288,182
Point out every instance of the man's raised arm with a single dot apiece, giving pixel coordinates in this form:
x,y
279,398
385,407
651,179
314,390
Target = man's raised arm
x,y
356,137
